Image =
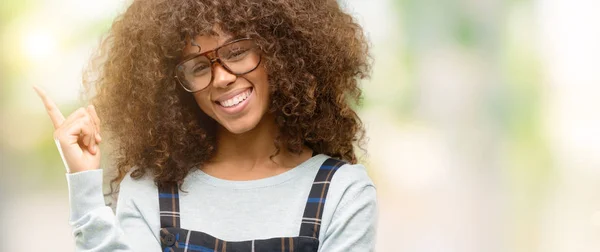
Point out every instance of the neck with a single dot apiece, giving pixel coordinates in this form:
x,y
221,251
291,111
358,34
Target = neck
x,y
255,147
252,145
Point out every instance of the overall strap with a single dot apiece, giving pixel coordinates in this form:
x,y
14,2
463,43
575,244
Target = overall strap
x,y
168,200
313,211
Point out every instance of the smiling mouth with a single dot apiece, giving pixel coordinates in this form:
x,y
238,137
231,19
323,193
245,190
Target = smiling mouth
x,y
236,100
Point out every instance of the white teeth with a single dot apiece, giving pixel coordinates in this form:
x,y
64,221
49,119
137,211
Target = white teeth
x,y
236,100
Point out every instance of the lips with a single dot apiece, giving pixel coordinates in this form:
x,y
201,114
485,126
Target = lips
x,y
231,95
236,99
233,104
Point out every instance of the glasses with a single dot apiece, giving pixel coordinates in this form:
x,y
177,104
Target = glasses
x,y
238,57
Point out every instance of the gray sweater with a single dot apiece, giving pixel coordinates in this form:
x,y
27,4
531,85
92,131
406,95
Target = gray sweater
x,y
228,210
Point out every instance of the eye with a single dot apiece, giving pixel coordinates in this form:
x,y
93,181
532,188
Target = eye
x,y
237,53
199,69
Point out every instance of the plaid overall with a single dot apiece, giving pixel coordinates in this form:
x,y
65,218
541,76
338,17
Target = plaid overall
x,y
173,238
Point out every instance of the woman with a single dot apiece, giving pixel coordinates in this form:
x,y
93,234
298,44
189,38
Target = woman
x,y
229,121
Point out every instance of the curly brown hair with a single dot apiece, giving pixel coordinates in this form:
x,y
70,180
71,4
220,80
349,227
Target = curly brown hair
x,y
314,56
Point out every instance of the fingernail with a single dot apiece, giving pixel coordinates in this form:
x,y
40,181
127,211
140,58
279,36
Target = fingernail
x,y
94,148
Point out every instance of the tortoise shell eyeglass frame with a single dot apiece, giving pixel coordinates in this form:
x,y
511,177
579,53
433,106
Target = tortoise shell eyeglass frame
x,y
213,56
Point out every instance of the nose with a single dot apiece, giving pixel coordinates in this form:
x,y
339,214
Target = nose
x,y
221,77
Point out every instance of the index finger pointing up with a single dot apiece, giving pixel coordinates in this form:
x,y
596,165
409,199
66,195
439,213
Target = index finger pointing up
x,y
55,115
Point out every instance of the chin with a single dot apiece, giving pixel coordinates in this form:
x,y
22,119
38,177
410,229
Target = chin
x,y
239,127
238,130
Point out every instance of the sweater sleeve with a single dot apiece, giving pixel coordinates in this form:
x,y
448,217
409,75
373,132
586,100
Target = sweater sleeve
x,y
96,228
354,224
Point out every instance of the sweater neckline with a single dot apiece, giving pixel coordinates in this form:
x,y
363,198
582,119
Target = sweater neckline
x,y
263,182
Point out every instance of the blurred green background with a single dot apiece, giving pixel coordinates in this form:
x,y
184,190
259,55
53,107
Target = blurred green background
x,y
483,119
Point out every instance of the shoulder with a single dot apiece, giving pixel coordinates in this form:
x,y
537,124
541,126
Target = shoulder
x,y
351,183
144,182
351,177
138,197
136,189
350,210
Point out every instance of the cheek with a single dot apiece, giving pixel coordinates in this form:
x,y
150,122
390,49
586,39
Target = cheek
x,y
203,101
261,82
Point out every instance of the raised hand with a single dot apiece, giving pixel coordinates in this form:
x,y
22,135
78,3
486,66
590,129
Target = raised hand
x,y
77,137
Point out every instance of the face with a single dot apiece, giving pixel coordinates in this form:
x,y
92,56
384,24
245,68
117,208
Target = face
x,y
237,103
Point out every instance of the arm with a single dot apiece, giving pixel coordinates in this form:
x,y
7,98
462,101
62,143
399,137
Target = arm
x,y
96,228
94,225
353,224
